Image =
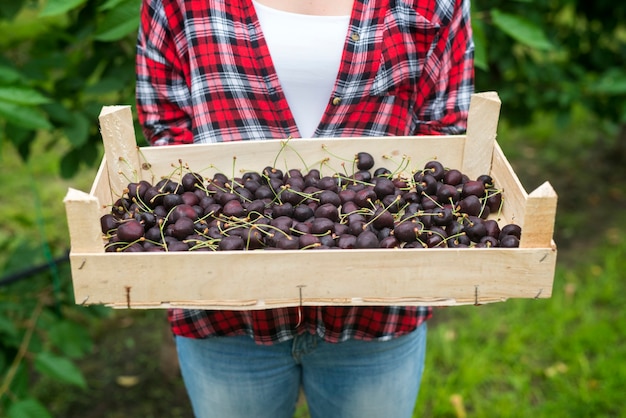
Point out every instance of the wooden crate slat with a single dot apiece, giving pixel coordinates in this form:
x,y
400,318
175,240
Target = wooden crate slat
x,y
234,158
514,194
428,275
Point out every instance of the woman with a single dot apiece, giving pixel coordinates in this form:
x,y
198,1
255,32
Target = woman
x,y
216,70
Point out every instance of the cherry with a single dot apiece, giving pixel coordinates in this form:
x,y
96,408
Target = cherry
x,y
492,228
328,183
448,193
300,228
382,218
264,192
183,211
473,187
282,223
427,184
489,241
108,223
367,239
233,208
273,173
511,229
147,219
182,228
346,241
382,172
308,241
486,180
302,213
364,161
130,230
153,234
435,168
494,201
474,228
509,241
329,196
470,205
327,210
442,216
407,231
138,190
365,197
287,242
283,209
362,176
321,226
389,242
231,243
453,177
191,181
459,241
153,197
171,200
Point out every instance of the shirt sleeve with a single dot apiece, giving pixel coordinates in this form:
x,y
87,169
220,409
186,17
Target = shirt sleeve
x,y
163,97
445,112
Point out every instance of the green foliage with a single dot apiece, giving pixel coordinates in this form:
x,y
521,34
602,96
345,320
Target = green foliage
x,y
61,62
549,56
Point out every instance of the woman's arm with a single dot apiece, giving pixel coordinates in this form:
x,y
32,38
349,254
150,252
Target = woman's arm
x,y
163,94
453,60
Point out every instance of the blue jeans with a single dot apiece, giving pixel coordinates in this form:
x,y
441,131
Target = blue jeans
x,y
231,377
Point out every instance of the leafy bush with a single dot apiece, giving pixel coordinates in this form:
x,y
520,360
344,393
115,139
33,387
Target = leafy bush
x,y
60,64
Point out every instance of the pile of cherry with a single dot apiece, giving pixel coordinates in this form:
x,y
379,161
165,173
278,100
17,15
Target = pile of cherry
x,y
434,207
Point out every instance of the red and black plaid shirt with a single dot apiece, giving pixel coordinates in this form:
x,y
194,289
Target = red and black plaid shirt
x,y
204,74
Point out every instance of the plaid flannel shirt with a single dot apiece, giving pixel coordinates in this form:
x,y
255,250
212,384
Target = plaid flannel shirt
x,y
204,75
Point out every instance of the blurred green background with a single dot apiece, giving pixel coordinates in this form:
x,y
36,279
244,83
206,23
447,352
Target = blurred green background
x,y
559,67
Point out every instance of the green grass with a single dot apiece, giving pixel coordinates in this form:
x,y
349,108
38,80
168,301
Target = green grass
x,y
561,356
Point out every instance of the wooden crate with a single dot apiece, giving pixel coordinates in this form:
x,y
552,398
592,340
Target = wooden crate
x,y
269,279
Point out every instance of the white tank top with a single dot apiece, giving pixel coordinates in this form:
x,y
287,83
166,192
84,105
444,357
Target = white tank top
x,y
306,51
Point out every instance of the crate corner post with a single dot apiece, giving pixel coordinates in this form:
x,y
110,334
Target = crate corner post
x,y
83,218
120,146
482,127
538,229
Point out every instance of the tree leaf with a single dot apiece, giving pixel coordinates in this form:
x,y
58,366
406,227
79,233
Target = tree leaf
x,y
480,45
9,75
7,327
72,339
77,131
59,7
28,408
26,117
111,4
59,368
10,9
522,30
611,83
119,22
22,95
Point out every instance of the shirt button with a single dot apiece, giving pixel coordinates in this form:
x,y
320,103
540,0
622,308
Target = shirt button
x,y
355,36
336,101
